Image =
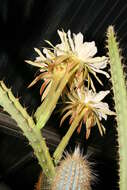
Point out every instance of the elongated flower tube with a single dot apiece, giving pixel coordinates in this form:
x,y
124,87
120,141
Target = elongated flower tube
x,y
64,64
83,106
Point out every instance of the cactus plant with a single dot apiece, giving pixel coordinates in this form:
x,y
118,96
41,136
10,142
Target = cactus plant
x,y
73,173
69,63
120,98
66,71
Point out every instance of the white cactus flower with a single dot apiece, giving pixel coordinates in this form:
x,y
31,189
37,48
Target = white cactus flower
x,y
91,103
70,53
84,51
94,100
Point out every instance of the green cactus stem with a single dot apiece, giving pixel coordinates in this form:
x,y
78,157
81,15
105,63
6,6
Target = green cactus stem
x,y
63,143
73,173
45,110
27,125
120,97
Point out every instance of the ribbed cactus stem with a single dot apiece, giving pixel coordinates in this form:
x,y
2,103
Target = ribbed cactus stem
x,y
120,97
73,173
63,143
27,125
45,110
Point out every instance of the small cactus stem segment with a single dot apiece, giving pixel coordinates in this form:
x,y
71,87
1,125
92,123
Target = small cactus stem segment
x,y
45,110
27,125
43,183
63,143
15,101
73,173
120,97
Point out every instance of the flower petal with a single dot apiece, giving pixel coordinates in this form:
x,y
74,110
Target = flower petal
x,y
78,40
65,116
61,35
43,86
100,71
41,76
98,62
40,65
86,50
101,95
48,53
40,54
70,40
107,111
64,40
100,105
60,50
46,91
103,110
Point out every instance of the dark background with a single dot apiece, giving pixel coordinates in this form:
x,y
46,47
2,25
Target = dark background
x,y
25,24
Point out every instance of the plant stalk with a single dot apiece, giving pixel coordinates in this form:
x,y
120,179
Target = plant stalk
x,y
63,143
27,125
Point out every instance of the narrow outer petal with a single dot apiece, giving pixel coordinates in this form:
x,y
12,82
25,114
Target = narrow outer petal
x,y
70,40
98,62
100,96
61,35
78,40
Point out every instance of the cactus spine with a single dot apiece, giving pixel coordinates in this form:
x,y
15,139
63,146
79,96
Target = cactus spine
x,y
120,97
27,125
